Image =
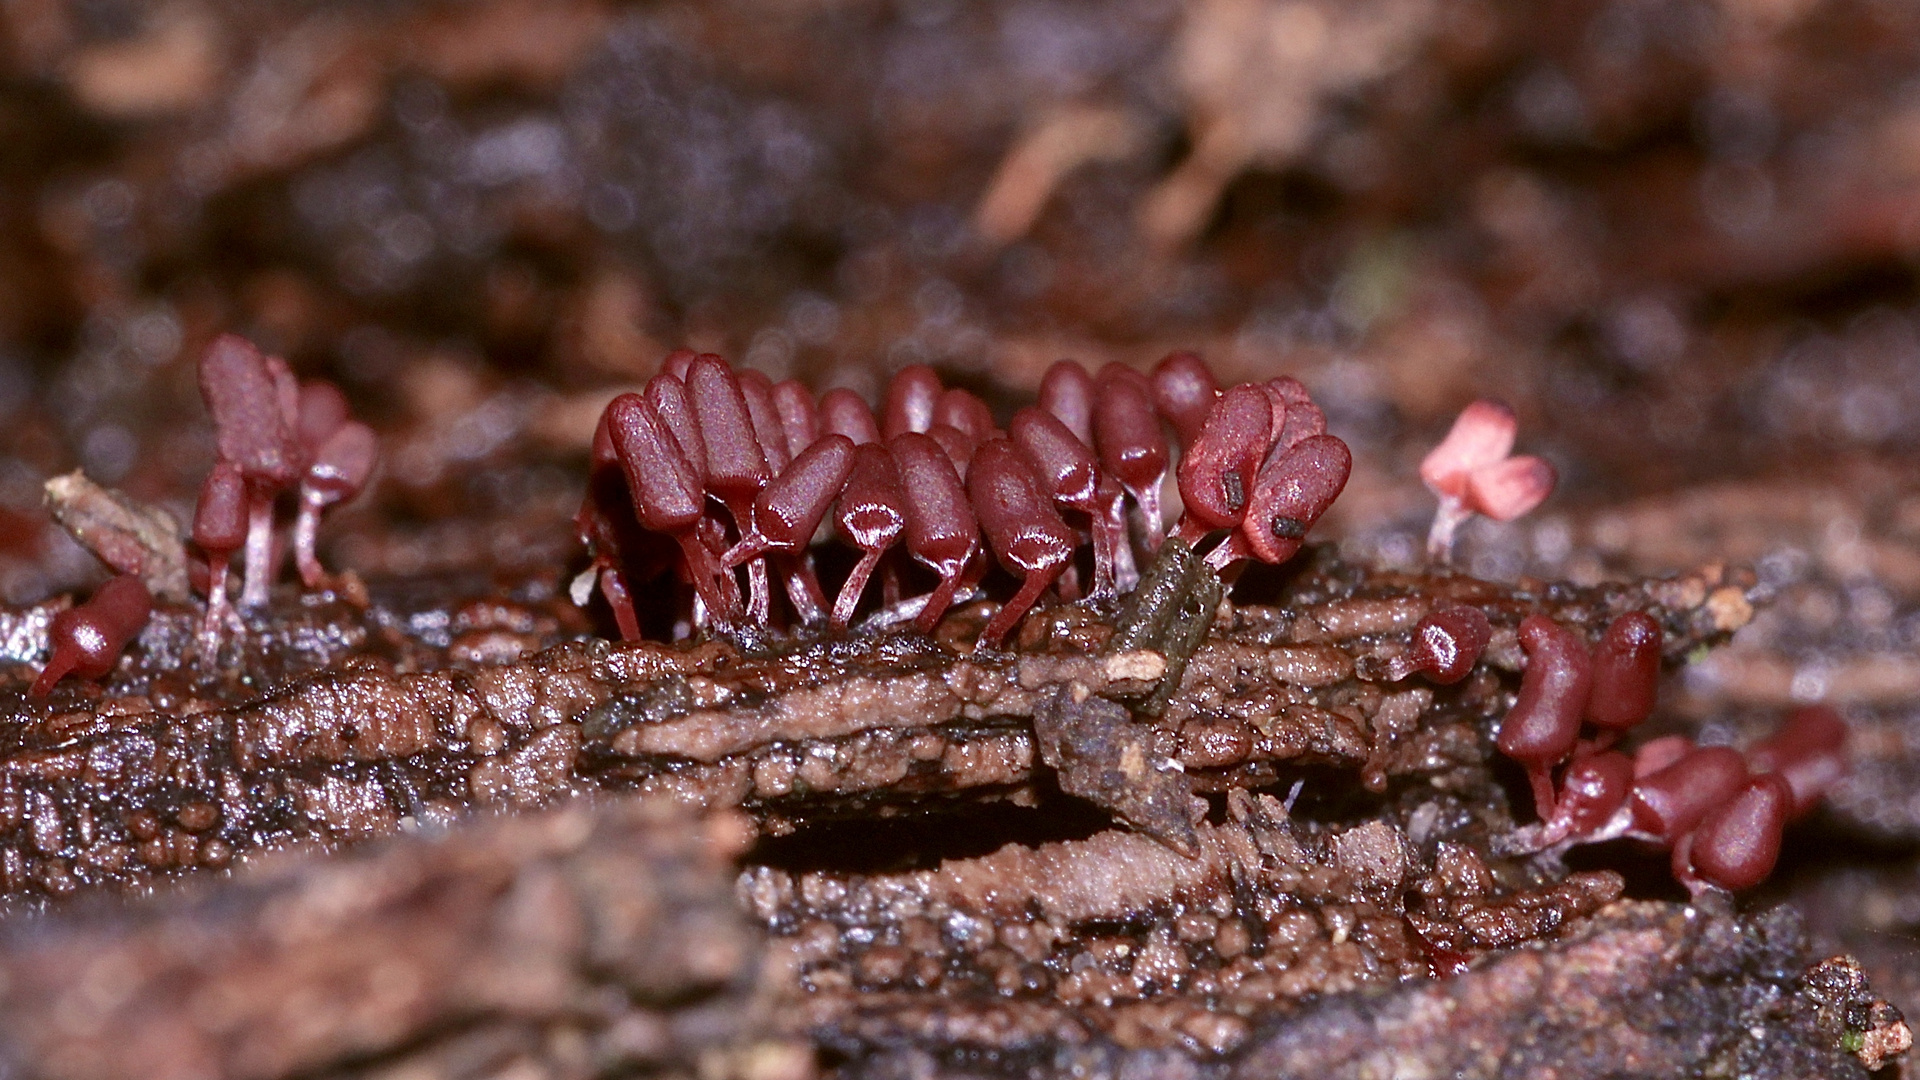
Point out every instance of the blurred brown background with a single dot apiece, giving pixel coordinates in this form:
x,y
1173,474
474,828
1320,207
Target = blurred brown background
x,y
1680,236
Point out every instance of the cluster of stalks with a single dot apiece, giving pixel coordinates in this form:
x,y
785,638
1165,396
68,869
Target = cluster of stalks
x,y
709,470
275,433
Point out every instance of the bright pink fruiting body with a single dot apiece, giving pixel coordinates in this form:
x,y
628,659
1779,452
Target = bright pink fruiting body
x,y
1471,472
1510,489
1481,435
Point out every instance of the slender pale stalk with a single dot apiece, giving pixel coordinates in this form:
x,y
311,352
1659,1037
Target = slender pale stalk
x,y
256,585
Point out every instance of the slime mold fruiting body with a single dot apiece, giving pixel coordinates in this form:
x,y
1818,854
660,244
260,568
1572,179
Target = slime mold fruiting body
x,y
740,473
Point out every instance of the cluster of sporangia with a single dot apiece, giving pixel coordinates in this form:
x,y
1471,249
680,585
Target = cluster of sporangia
x,y
275,433
708,470
1721,813
735,470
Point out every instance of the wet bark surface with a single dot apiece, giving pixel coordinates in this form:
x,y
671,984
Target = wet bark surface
x,y
162,769
1186,916
1677,237
591,936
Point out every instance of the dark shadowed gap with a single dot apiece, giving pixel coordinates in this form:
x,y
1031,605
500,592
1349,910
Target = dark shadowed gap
x,y
920,841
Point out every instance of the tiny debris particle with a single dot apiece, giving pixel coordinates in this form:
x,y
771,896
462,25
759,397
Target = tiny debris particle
x,y
1729,609
128,536
1139,665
